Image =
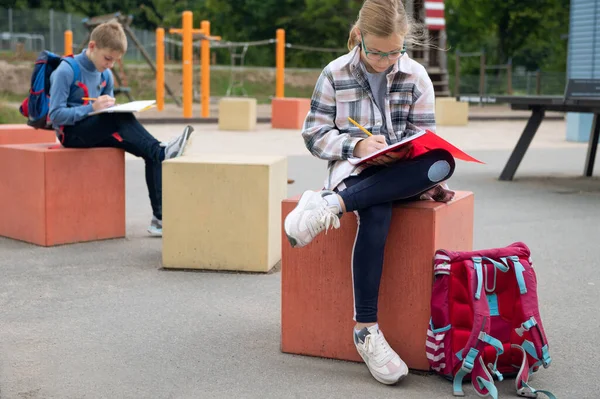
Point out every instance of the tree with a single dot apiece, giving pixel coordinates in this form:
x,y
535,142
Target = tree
x,y
529,32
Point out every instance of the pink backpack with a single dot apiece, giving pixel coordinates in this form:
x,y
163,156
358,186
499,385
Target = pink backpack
x,y
485,320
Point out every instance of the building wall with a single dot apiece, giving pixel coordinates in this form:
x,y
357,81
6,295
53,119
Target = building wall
x,y
583,60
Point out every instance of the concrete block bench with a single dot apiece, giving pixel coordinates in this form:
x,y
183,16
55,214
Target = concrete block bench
x,y
237,113
51,196
449,112
223,211
317,295
289,113
24,134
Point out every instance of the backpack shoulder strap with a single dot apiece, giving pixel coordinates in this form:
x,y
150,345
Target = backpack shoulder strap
x,y
105,76
76,72
472,361
538,346
522,380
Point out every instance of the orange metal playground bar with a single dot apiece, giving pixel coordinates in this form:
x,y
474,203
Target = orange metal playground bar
x,y
187,33
68,42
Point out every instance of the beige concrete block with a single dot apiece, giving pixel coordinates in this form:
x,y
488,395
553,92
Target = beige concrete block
x,y
223,211
449,112
237,113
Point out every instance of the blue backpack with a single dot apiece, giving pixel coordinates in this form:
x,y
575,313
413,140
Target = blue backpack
x,y
36,105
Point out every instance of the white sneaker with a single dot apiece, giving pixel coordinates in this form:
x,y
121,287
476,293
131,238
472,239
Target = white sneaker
x,y
155,228
311,216
175,147
383,363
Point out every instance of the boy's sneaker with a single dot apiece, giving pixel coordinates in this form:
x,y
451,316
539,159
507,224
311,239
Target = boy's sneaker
x,y
175,147
383,363
155,228
311,216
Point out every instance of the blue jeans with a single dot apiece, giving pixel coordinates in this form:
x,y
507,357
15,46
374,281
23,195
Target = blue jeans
x,y
371,195
131,136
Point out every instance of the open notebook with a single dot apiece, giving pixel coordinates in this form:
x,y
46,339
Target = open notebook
x,y
390,148
423,141
133,106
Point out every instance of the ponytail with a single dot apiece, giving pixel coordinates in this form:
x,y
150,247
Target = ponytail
x,y
385,17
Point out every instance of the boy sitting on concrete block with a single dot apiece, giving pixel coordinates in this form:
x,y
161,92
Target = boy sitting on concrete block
x,y
71,102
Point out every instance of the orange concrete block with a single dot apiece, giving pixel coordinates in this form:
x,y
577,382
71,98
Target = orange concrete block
x,y
289,113
317,305
51,196
23,134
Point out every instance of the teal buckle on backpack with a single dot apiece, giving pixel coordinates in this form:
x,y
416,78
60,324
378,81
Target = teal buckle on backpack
x,y
467,366
526,326
530,349
529,392
546,359
499,350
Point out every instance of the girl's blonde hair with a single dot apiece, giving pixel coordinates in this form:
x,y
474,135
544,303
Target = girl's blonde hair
x,y
383,18
110,35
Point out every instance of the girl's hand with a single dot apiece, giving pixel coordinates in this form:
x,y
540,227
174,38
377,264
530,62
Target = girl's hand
x,y
393,157
103,102
369,145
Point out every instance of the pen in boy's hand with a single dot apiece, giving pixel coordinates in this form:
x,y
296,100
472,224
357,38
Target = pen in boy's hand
x,y
89,98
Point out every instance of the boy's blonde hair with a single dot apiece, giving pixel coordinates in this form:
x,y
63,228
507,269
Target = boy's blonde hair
x,y
110,35
383,18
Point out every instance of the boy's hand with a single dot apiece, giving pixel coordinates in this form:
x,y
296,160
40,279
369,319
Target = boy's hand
x,y
103,102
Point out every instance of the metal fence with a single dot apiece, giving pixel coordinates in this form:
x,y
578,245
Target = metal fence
x,y
40,30
521,83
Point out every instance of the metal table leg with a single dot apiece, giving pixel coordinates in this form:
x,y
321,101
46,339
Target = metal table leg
x,y
537,115
592,147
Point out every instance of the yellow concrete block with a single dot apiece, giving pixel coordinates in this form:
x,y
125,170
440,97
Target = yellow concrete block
x,y
449,112
223,211
237,113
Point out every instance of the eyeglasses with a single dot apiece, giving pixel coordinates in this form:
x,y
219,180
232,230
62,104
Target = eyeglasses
x,y
379,56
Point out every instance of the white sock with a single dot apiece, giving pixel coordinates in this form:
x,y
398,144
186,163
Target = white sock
x,y
333,200
376,326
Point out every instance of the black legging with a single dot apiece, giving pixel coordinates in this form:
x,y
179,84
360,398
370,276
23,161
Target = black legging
x,y
99,130
370,195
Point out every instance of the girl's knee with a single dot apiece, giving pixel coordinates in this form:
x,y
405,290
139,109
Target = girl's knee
x,y
442,167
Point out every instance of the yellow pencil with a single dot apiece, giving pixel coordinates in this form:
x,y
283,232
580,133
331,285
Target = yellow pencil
x,y
89,98
359,126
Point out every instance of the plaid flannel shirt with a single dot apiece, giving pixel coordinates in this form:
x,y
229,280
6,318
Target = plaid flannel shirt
x,y
342,91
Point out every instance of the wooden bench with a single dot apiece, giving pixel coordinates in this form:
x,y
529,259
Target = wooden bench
x,y
317,294
51,196
23,134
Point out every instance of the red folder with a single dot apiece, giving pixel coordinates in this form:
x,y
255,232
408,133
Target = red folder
x,y
430,141
422,143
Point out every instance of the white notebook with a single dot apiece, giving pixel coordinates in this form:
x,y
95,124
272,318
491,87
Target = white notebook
x,y
393,147
134,106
